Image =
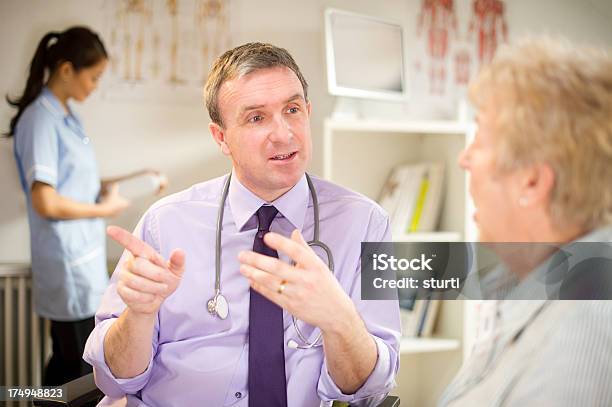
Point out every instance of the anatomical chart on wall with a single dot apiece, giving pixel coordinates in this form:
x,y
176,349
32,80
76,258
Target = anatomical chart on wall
x,y
455,38
162,50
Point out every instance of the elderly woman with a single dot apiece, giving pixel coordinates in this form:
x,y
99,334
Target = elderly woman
x,y
541,171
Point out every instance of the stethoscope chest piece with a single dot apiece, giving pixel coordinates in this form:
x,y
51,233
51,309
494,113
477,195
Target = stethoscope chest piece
x,y
218,306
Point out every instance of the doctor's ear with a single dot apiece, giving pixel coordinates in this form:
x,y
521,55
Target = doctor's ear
x,y
218,133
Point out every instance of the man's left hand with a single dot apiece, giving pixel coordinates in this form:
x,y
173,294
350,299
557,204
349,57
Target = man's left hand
x,y
308,290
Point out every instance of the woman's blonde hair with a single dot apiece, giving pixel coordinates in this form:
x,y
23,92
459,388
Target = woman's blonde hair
x,y
554,105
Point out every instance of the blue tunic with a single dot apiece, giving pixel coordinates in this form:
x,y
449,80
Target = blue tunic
x,y
68,256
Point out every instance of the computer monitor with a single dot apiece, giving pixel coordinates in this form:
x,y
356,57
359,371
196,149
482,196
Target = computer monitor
x,y
365,56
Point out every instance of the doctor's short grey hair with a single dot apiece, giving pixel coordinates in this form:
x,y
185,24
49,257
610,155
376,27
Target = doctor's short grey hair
x,y
241,61
553,104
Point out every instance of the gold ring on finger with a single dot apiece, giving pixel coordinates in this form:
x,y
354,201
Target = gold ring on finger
x,y
281,287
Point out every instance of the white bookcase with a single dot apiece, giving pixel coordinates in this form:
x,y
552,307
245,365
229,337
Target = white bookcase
x,y
360,155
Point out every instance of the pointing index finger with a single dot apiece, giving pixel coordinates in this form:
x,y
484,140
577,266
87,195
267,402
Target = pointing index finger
x,y
134,245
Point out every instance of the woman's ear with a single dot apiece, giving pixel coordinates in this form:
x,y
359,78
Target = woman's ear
x,y
65,71
218,133
536,186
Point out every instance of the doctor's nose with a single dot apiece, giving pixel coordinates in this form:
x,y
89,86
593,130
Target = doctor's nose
x,y
281,132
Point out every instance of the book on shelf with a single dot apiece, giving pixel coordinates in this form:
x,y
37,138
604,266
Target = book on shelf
x,y
422,316
418,317
412,197
410,311
428,314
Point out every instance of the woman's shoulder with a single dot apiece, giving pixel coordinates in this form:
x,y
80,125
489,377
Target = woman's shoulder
x,y
582,323
35,116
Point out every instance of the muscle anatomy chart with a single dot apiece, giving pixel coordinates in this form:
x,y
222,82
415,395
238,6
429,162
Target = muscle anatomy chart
x,y
488,23
438,21
456,46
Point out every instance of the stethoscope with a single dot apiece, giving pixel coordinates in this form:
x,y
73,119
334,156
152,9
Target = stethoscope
x,y
218,305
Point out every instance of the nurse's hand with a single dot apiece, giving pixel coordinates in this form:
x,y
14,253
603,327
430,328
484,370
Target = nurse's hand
x,y
308,290
162,180
112,202
146,279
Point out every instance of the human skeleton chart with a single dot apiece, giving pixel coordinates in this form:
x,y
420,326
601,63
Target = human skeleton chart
x,y
211,20
163,43
131,17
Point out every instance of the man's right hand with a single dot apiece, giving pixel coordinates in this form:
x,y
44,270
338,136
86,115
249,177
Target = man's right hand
x,y
146,279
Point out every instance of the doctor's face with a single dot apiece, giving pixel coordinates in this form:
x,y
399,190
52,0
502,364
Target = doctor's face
x,y
266,130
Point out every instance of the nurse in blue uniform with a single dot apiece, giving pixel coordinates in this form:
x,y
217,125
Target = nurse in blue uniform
x,y
66,199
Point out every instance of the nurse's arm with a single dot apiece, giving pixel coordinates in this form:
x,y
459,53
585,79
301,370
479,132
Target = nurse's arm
x,y
163,182
125,177
48,203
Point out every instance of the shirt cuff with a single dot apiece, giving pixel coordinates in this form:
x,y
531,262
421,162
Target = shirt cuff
x,y
104,378
378,384
41,173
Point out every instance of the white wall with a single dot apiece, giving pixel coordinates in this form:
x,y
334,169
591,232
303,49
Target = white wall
x,y
175,139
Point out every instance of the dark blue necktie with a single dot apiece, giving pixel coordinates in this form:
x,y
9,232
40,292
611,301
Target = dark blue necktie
x,y
267,381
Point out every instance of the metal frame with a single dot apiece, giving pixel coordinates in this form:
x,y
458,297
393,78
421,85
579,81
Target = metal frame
x,y
332,84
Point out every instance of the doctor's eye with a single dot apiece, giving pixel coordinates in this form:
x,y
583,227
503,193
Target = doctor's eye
x,y
294,109
256,118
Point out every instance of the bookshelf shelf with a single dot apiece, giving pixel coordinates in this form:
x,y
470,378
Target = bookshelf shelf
x,y
399,126
426,345
361,154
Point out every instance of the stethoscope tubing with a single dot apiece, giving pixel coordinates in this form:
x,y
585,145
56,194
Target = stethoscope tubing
x,y
315,242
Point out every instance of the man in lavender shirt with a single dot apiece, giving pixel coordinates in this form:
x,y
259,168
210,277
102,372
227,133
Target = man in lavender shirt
x,y
154,339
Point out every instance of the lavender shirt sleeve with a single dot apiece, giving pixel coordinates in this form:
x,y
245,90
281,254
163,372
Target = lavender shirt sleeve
x,y
383,322
111,308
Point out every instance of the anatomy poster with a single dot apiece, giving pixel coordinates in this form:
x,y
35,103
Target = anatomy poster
x,y
162,47
453,46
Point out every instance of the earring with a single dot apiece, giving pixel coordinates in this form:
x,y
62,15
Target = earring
x,y
523,201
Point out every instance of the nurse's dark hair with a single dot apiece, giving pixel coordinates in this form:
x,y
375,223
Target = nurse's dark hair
x,y
80,46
